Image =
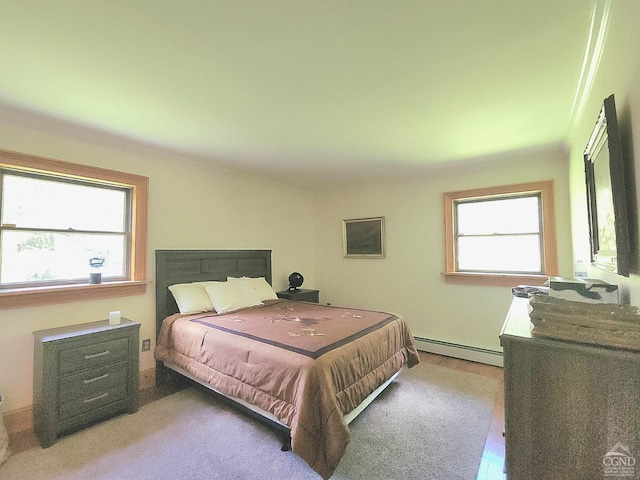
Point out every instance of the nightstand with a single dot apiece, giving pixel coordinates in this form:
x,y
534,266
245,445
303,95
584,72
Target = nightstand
x,y
82,374
300,295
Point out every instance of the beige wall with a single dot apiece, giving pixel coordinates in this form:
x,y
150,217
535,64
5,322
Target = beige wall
x,y
409,281
618,73
189,207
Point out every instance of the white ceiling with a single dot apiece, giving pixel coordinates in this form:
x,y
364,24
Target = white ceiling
x,y
314,93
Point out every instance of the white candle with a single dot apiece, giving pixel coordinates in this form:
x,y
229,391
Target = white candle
x,y
114,317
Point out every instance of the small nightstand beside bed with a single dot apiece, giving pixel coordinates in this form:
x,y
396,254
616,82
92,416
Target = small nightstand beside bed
x,y
305,368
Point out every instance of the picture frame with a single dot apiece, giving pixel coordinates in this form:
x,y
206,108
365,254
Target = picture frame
x,y
606,194
363,238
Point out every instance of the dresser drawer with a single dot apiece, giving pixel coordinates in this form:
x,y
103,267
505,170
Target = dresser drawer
x,y
103,353
89,382
95,400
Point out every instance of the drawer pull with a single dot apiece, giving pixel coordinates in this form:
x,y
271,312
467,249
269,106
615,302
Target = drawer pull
x,y
101,354
101,377
98,397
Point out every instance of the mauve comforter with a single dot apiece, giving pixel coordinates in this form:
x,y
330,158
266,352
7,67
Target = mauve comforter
x,y
305,363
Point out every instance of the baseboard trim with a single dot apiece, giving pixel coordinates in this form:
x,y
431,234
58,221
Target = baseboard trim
x,y
148,379
465,352
19,420
22,419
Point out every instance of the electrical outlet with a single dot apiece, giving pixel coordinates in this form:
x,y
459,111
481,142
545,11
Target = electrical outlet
x,y
146,344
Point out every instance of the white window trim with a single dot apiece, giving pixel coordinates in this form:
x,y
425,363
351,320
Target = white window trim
x,y
550,250
31,296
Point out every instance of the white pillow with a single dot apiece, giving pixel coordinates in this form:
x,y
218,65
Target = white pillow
x,y
191,297
229,296
260,285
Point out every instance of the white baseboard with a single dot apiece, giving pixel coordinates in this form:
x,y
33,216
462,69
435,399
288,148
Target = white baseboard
x,y
474,354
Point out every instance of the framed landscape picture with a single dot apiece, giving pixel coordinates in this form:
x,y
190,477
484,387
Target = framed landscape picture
x,y
363,237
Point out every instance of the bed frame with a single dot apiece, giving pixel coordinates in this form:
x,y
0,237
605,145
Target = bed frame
x,y
184,266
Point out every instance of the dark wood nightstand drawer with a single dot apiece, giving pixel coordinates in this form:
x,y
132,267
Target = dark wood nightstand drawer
x,y
77,406
76,359
92,381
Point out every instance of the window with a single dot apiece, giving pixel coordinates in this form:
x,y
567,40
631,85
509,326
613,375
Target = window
x,y
500,236
52,226
55,217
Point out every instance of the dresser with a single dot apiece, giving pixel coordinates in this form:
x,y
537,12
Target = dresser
x,y
82,374
300,295
572,410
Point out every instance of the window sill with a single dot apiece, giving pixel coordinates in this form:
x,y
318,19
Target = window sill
x,y
31,297
493,280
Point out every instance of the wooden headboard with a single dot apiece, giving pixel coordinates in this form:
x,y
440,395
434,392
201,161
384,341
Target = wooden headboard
x,y
184,266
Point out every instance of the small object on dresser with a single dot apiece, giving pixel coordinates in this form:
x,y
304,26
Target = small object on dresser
x,y
602,324
580,269
583,290
114,317
526,291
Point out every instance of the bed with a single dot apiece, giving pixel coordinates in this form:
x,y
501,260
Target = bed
x,y
306,369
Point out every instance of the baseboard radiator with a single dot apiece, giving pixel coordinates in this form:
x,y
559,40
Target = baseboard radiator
x,y
465,352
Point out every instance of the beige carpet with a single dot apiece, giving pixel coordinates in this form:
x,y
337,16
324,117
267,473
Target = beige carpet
x,y
431,423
